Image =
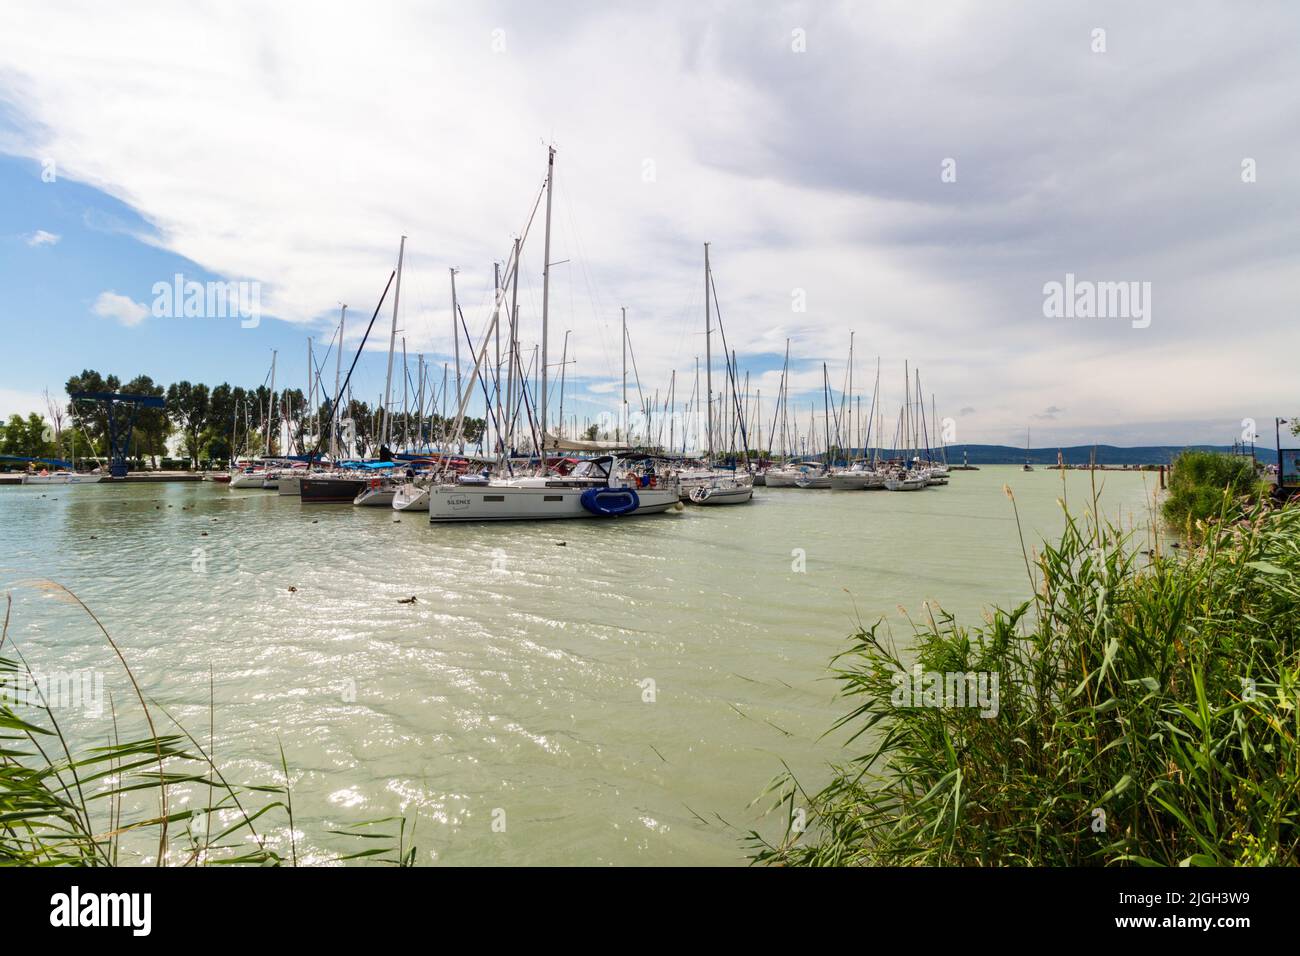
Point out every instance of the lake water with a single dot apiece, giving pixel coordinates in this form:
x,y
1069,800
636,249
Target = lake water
x,y
517,687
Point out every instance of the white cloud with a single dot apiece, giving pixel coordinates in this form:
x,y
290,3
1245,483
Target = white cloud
x,y
260,146
42,238
110,305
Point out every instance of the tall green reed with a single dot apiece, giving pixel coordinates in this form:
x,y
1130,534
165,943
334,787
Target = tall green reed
x,y
1149,714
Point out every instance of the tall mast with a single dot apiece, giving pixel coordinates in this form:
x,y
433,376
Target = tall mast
x,y
546,289
419,403
392,343
270,406
306,405
697,398
496,335
672,410
338,368
564,361
406,418
623,407
455,339
708,351
512,348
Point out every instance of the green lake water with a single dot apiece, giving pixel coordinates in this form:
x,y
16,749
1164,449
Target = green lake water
x,y
517,687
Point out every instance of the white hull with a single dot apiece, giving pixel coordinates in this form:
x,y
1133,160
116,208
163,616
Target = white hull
x,y
905,484
723,496
380,496
271,484
290,485
531,502
782,479
815,482
248,481
856,481
409,497
61,479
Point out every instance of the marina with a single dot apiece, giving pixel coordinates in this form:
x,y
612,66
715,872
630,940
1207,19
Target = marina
x,y
734,438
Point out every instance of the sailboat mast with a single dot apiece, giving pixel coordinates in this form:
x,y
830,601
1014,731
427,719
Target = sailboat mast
x,y
270,406
455,338
564,361
496,334
338,369
512,349
708,349
306,405
392,344
623,407
406,418
546,289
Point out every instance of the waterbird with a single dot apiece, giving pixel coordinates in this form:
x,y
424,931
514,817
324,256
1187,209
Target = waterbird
x,y
410,600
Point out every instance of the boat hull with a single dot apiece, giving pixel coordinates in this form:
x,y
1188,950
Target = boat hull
x,y
781,480
253,480
456,503
723,496
411,498
330,490
378,496
905,484
61,479
290,485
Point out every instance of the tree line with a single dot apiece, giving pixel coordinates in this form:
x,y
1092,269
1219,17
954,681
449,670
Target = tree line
x,y
214,424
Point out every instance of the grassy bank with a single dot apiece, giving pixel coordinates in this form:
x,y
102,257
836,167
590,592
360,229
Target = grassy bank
x,y
1146,713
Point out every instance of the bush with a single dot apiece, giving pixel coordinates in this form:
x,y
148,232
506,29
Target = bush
x,y
1146,714
1201,481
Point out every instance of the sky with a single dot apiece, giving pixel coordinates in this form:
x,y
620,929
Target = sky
x,y
913,175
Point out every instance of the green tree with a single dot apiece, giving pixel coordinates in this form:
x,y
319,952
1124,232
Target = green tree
x,y
89,417
187,406
28,437
149,436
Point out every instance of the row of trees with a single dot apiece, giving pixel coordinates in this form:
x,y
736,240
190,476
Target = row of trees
x,y
213,424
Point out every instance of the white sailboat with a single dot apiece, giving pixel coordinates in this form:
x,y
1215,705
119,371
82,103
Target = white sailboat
x,y
723,491
606,486
61,478
858,476
599,487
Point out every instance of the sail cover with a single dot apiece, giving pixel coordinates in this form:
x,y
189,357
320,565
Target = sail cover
x,y
572,444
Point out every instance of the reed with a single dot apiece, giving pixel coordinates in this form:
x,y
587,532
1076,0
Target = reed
x,y
61,806
1148,714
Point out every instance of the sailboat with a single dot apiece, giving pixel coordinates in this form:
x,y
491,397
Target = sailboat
x,y
1027,466
608,486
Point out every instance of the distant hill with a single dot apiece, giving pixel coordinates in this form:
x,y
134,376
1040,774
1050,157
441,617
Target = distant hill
x,y
1081,454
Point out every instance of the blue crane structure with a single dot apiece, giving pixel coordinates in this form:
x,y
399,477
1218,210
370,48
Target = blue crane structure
x,y
119,431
